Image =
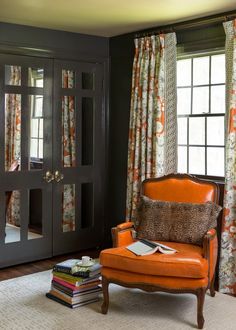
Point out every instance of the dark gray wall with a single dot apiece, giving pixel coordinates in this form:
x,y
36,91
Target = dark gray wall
x,y
46,42
121,61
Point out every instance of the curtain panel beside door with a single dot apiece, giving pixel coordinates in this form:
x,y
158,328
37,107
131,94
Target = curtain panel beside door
x,y
152,149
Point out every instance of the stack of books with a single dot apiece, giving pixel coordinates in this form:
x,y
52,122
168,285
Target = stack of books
x,y
74,285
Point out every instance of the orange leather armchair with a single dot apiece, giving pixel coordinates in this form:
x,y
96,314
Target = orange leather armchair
x,y
191,270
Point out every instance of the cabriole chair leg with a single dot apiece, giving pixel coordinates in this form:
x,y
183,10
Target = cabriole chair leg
x,y
200,302
105,285
212,288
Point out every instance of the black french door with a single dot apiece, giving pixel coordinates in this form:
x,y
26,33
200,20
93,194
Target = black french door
x,y
51,149
77,156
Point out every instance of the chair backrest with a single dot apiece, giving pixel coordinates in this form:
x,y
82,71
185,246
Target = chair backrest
x,y
181,188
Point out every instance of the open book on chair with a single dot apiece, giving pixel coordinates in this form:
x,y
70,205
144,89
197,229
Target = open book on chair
x,y
144,247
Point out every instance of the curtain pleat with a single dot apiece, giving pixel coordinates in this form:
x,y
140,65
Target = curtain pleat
x,y
227,271
152,149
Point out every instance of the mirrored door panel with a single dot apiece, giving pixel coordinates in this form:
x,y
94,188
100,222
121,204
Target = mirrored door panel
x,y
51,157
25,157
78,155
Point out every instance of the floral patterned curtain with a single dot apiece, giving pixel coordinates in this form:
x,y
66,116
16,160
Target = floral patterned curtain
x,y
152,150
227,273
13,141
68,150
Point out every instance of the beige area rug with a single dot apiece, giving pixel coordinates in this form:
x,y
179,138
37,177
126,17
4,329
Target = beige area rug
x,y
23,306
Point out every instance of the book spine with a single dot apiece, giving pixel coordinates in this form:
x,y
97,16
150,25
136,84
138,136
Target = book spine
x,y
81,274
64,283
62,269
50,296
68,278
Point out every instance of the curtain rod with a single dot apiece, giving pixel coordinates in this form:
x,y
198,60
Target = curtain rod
x,y
187,24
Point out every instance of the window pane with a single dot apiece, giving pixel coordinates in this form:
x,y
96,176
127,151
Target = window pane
x,y
218,99
200,100
184,72
182,159
201,70
218,69
197,160
35,77
182,130
215,161
215,131
41,128
33,148
40,148
36,105
197,131
183,101
34,128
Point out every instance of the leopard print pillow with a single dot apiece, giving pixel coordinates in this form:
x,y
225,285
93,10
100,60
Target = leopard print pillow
x,y
174,221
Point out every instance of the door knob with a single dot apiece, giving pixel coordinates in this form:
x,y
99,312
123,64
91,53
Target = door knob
x,y
49,177
58,176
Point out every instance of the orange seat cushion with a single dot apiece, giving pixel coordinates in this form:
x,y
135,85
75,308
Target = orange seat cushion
x,y
188,262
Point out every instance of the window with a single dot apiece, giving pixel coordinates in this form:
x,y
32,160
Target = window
x,y
201,114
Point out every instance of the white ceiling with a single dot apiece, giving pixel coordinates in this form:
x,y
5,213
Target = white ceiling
x,y
107,17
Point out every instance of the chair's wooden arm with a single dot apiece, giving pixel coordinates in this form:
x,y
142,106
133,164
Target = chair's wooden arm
x,y
210,250
122,234
125,225
209,236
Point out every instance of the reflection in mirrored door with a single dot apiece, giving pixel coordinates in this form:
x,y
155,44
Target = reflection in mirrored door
x,y
35,77
68,131
36,131
12,214
35,225
68,149
12,75
12,130
68,208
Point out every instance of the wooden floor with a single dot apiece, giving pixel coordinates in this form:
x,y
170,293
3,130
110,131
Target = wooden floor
x,y
39,266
